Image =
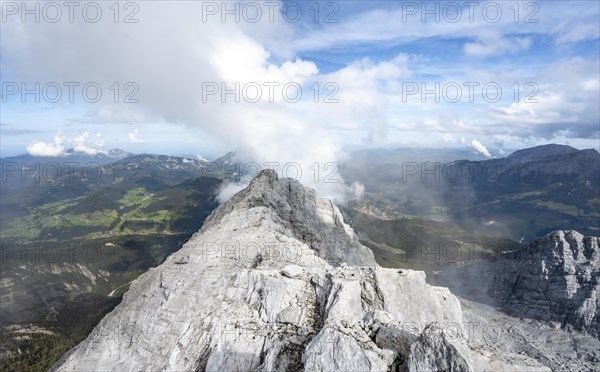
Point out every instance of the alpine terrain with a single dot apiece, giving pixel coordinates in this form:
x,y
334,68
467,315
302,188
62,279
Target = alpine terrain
x,y
276,281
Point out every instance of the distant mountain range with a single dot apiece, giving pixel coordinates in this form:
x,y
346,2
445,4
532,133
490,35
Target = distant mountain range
x,y
106,157
539,153
407,154
522,196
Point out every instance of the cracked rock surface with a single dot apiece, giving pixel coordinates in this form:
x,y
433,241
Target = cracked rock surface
x,y
541,301
555,279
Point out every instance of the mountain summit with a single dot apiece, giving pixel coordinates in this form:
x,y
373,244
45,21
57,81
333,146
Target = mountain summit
x,y
538,153
276,281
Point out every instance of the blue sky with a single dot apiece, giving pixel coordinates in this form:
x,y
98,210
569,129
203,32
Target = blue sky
x,y
369,57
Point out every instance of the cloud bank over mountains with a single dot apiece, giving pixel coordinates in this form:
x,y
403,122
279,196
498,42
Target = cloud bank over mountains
x,y
279,91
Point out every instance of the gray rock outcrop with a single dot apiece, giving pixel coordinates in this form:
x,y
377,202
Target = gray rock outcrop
x,y
555,279
433,351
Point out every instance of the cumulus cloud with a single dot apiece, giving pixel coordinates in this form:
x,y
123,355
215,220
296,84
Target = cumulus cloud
x,y
364,91
480,148
172,72
99,140
569,104
447,137
62,143
134,137
50,149
79,144
170,61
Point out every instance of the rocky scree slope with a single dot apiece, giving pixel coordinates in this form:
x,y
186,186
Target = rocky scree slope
x,y
276,281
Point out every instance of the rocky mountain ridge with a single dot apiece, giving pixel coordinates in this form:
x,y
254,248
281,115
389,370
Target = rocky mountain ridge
x,y
275,280
555,279
560,274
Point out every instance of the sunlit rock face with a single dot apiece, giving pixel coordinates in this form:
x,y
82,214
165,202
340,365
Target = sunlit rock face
x,y
276,281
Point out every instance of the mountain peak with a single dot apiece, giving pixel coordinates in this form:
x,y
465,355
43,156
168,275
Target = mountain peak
x,y
540,152
263,287
303,214
118,153
229,158
266,175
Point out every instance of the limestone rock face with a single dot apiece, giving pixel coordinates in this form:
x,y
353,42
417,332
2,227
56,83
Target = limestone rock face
x,y
433,351
275,281
556,278
312,220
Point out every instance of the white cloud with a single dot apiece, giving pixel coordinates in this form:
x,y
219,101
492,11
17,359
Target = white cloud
x,y
480,148
548,109
134,137
227,190
111,115
99,140
358,190
496,45
79,144
364,91
61,143
447,137
563,22
211,51
591,85
578,32
51,149
264,52
567,102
